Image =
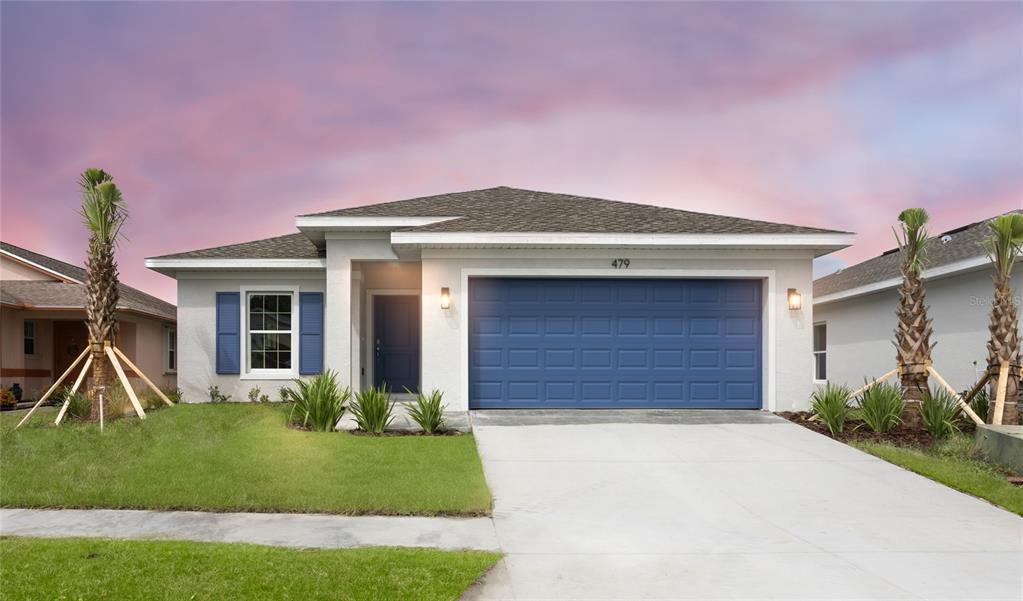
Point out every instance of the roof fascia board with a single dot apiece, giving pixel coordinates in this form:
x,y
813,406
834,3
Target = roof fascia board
x,y
950,269
368,223
46,270
570,239
237,263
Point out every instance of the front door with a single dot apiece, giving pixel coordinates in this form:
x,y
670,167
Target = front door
x,y
396,342
70,338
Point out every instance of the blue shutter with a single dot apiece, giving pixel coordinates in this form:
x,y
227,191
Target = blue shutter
x,y
310,332
228,334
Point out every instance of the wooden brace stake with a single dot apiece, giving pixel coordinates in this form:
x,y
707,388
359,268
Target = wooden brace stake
x,y
74,389
124,381
1003,383
131,365
962,404
43,398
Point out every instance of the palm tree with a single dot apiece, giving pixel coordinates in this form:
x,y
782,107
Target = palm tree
x,y
103,212
913,332
1003,245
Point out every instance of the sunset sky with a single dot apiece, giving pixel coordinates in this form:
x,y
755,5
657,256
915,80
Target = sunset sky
x,y
221,122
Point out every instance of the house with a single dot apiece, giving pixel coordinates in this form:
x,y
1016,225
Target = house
x,y
42,320
854,312
509,298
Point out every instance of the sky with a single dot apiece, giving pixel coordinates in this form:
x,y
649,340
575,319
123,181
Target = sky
x,y
221,122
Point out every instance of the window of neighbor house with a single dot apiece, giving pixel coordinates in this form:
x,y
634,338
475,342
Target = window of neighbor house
x,y
820,351
30,338
269,331
171,345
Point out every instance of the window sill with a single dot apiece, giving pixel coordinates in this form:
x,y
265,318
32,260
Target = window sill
x,y
269,375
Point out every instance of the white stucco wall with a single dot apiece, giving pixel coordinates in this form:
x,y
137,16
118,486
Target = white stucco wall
x,y
860,330
787,341
197,291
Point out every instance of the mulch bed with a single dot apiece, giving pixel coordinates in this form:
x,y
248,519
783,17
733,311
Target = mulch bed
x,y
857,431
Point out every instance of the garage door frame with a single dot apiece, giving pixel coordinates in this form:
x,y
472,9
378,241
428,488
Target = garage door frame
x,y
769,383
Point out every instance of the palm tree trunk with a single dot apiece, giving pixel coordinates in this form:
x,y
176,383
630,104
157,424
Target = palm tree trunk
x,y
100,308
913,344
100,381
1004,345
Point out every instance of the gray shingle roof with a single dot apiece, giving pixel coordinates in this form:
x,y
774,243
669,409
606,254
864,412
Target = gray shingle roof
x,y
28,293
292,246
506,209
964,243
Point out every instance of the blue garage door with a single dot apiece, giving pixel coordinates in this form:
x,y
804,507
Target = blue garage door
x,y
614,343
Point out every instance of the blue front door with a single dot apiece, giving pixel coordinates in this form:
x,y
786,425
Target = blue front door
x,y
396,342
615,343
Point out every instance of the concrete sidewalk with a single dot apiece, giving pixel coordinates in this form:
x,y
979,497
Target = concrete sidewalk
x,y
276,529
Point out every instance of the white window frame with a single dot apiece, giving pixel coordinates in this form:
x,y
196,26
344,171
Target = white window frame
x,y
170,338
248,373
813,335
34,338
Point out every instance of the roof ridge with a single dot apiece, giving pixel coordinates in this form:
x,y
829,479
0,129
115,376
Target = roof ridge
x,y
223,246
392,202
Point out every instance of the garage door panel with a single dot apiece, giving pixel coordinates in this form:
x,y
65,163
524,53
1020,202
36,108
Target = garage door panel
x,y
614,343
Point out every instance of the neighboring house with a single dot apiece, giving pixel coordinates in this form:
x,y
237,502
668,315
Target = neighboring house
x,y
854,311
507,298
42,305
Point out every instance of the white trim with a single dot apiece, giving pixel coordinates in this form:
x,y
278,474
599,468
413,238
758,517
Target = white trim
x,y
561,239
371,346
949,269
769,316
268,374
247,263
813,351
39,267
340,222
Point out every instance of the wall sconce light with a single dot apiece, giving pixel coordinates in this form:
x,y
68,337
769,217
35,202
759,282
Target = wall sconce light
x,y
445,298
795,300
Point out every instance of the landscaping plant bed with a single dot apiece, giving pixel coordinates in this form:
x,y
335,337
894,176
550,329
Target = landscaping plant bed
x,y
857,431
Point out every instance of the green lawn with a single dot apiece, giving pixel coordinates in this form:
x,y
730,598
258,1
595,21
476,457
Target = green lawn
x,y
235,457
952,463
70,568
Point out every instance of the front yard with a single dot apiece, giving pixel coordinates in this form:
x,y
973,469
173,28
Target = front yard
x,y
36,568
235,457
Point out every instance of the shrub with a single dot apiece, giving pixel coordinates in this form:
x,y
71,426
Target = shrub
x,y
174,394
373,410
319,403
216,396
938,411
427,410
150,400
80,405
7,399
256,395
116,401
831,405
981,403
881,407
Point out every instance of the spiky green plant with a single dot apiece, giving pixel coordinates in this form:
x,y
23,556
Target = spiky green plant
x,y
881,406
427,410
913,332
1003,245
319,402
980,403
830,403
103,212
938,411
373,409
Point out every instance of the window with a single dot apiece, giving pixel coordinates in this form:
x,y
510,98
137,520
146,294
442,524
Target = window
x,y
171,349
269,331
30,338
820,351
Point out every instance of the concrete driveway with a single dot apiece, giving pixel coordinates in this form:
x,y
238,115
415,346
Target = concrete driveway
x,y
726,505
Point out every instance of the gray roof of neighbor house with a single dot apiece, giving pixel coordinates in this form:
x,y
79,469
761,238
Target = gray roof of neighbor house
x,y
71,295
504,209
963,243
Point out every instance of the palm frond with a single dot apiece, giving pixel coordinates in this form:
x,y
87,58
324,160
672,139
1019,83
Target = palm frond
x,y
912,239
1004,242
103,209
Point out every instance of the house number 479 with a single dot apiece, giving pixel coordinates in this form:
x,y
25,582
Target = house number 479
x,y
620,263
